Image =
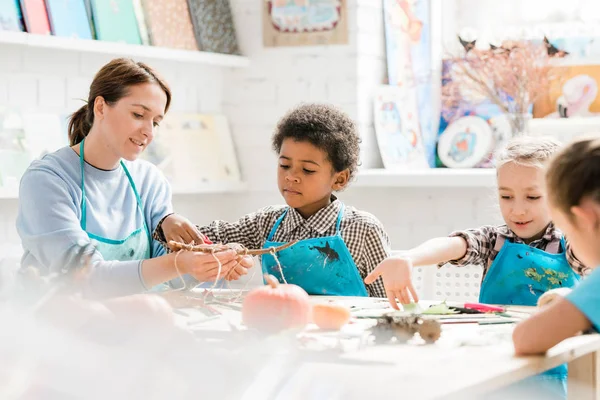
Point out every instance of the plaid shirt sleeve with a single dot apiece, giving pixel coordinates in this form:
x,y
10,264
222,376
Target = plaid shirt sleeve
x,y
574,262
376,248
480,245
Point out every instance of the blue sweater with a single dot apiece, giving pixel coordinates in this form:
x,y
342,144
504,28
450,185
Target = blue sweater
x,y
48,220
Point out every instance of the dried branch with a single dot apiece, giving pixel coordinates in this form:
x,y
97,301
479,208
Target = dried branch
x,y
512,77
216,248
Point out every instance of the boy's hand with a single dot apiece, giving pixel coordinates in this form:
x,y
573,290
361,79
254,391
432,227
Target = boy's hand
x,y
179,229
397,280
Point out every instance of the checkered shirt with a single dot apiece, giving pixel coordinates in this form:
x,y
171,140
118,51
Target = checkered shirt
x,y
363,234
481,243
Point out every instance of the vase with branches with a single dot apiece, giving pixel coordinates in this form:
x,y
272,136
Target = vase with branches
x,y
512,77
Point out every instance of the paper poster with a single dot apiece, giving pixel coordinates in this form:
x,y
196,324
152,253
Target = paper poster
x,y
408,49
304,22
194,149
397,129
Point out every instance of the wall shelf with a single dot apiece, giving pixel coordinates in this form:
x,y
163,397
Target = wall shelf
x,y
121,49
208,188
434,177
211,188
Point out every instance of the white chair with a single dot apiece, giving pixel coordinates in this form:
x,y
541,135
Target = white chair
x,y
450,283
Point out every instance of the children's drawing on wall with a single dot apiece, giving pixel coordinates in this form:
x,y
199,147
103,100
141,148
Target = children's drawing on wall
x,y
194,149
576,95
408,49
304,22
397,129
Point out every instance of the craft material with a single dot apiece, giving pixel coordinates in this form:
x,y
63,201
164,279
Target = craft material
x,y
403,329
275,307
330,316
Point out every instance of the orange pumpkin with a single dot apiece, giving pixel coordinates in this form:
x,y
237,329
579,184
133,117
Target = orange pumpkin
x,y
275,307
330,316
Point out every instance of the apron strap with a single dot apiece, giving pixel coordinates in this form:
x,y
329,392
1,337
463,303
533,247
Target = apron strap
x,y
138,200
83,221
276,225
339,219
139,203
553,247
499,243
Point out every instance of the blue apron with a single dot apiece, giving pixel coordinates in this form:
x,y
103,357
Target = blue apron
x,y
136,246
519,275
321,266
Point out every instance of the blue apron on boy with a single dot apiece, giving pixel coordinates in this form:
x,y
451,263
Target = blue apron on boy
x,y
136,246
321,266
519,275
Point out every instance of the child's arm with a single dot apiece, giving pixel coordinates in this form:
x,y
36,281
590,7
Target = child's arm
x,y
250,230
472,246
542,331
396,272
376,248
561,319
178,229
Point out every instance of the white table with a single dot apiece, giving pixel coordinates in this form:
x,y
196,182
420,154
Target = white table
x,y
468,360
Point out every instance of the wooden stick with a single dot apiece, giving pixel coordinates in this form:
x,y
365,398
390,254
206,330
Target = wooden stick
x,y
216,248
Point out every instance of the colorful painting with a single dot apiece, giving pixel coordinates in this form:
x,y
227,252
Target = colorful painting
x,y
408,48
574,95
397,129
466,143
304,22
194,149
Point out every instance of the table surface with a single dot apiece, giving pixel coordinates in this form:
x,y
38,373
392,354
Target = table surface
x,y
469,358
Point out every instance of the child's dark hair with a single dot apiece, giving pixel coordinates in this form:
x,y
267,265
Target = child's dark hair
x,y
574,173
326,128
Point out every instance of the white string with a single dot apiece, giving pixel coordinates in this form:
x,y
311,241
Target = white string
x,y
272,251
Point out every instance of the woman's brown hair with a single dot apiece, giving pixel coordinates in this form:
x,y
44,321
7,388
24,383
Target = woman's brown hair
x,y
574,173
112,83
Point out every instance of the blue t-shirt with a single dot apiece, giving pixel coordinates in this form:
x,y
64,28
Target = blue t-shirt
x,y
586,297
49,215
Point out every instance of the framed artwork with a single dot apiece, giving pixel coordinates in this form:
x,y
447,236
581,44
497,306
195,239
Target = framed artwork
x,y
304,22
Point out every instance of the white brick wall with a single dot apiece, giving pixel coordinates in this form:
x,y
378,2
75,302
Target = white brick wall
x,y
254,99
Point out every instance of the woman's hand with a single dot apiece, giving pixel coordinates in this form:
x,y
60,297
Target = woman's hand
x,y
204,266
179,229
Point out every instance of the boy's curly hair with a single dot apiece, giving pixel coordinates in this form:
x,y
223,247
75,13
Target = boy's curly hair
x,y
325,127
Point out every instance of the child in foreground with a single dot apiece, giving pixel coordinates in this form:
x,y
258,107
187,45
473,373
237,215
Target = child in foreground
x,y
521,260
338,245
573,180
